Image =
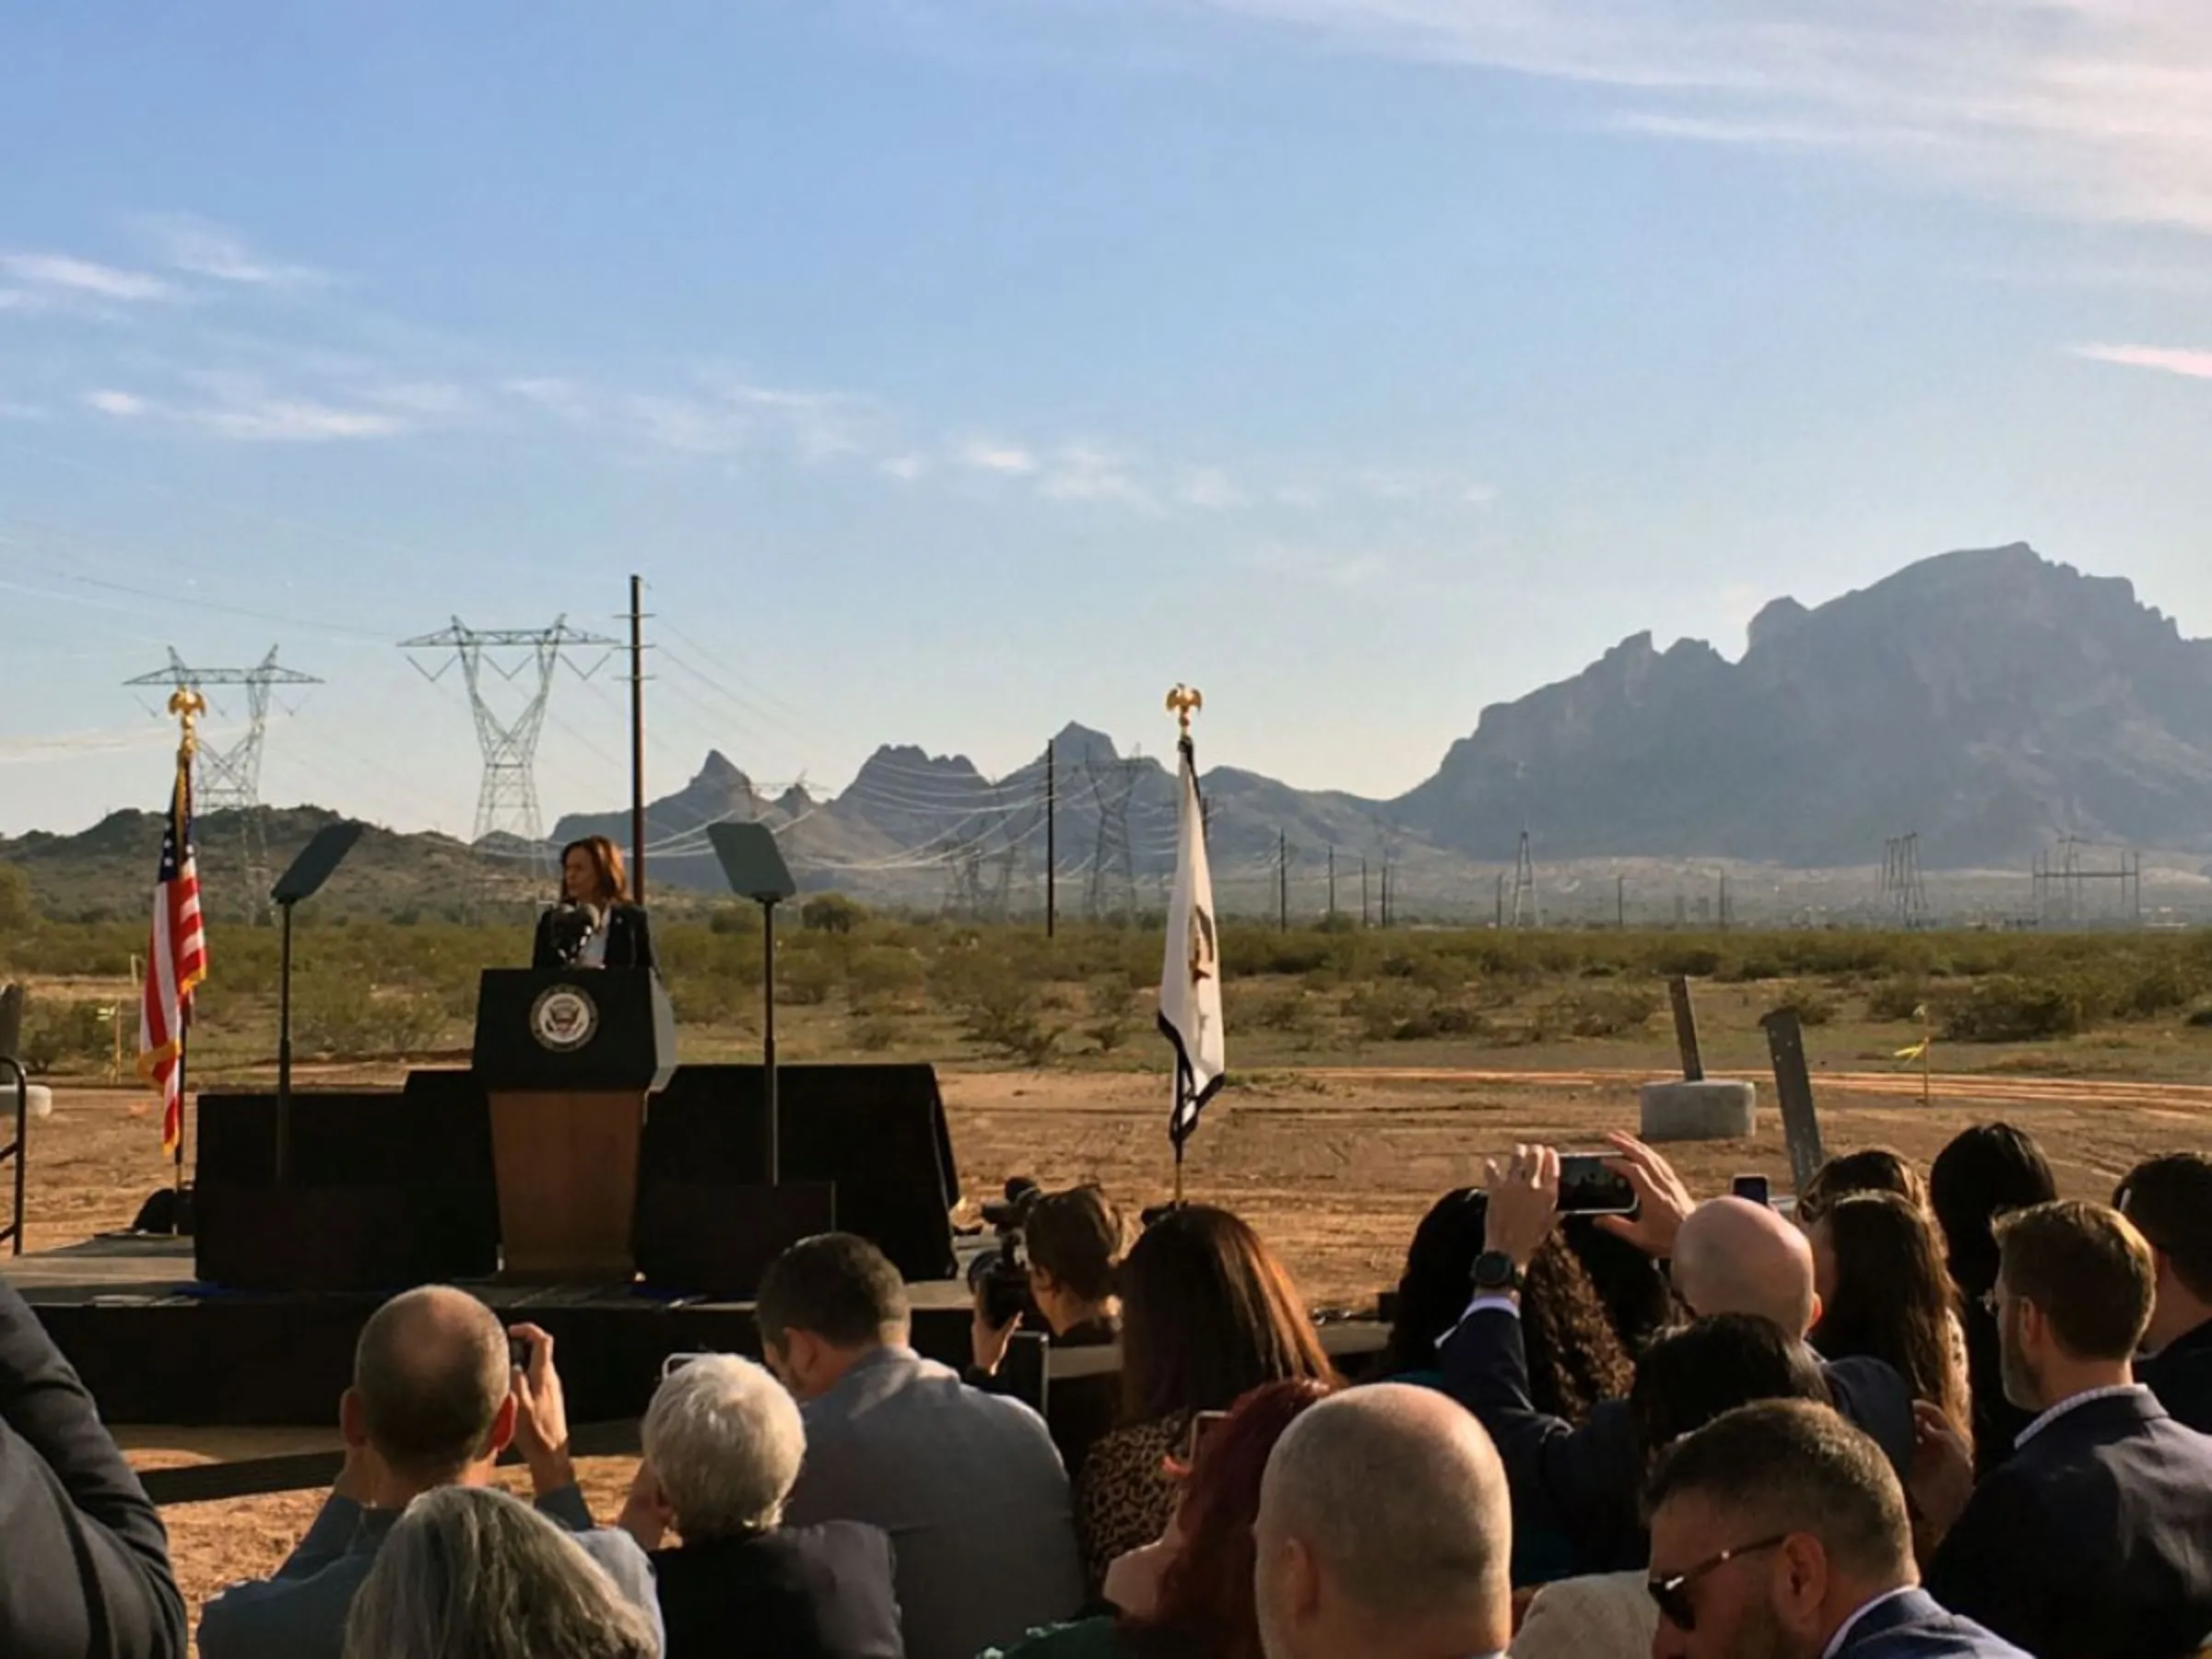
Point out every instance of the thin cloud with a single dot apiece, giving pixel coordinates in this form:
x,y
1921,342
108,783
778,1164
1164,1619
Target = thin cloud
x,y
907,469
2171,360
555,395
1319,566
247,414
1211,489
202,248
2083,109
1080,473
982,454
70,274
122,405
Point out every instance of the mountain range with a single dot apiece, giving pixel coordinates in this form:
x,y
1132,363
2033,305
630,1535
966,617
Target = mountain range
x,y
1991,700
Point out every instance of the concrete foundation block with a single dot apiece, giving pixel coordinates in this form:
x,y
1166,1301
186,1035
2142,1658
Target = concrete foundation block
x,y
1712,1109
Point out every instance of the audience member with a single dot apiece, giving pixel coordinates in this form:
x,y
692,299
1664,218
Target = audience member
x,y
1632,1285
1383,1532
84,1560
1779,1531
433,1403
2169,1200
1729,1255
1208,1316
468,1572
2094,1540
1688,1378
1575,1357
1985,1171
1189,1595
722,1442
1073,1244
967,1484
1886,1294
1869,1170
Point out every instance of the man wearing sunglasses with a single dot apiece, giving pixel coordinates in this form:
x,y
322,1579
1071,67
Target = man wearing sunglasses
x,y
1779,1531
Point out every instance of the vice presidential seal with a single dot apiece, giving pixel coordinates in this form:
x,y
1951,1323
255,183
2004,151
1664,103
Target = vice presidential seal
x,y
563,1018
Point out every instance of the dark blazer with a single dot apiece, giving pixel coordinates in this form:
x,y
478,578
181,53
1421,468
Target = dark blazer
x,y
1912,1627
796,1593
2093,1540
1080,1411
1586,1484
2182,1378
84,1559
629,939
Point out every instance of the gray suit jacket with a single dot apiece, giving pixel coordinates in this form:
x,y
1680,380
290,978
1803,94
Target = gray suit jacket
x,y
300,1613
968,1484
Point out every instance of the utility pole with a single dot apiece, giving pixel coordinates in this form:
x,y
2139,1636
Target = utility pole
x,y
1363,917
636,738
1386,869
1282,882
1723,901
1620,902
1501,922
1332,881
1051,837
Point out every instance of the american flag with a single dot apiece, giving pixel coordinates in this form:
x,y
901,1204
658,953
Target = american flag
x,y
176,962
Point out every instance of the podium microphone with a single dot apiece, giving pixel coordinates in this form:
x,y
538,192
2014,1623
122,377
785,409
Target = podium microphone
x,y
573,925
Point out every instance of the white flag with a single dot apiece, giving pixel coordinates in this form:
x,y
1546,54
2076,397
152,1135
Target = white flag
x,y
1190,980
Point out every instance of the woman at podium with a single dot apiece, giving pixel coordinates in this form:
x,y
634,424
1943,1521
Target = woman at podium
x,y
594,926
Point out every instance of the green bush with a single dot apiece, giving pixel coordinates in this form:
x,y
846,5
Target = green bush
x,y
2201,1019
831,912
1111,1003
1810,1006
872,1034
69,1035
807,978
336,1019
878,974
2007,1008
1899,998
1601,1010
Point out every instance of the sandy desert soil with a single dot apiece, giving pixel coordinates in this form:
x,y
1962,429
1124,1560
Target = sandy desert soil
x,y
1332,1165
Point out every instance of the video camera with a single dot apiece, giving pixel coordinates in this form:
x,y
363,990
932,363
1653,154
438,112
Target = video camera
x,y
1001,1274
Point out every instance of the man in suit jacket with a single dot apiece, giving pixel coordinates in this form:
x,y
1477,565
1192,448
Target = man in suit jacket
x,y
2094,1540
433,1403
84,1560
723,1443
968,1484
1779,1528
1728,1255
2169,1200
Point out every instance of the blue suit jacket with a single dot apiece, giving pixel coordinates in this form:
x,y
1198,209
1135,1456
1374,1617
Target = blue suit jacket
x,y
1912,1627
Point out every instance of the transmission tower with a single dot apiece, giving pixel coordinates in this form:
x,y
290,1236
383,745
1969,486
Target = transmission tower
x,y
1904,890
1112,886
229,779
507,798
1528,911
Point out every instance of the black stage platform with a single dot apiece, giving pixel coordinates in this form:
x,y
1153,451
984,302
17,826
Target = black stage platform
x,y
157,1347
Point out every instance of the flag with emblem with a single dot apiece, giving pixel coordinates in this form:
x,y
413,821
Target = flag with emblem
x,y
175,963
1189,982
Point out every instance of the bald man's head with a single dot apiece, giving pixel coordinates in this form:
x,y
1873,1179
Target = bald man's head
x,y
1384,1528
1734,1256
431,1377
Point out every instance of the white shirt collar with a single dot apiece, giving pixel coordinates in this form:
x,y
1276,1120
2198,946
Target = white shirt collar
x,y
1843,1631
2083,1399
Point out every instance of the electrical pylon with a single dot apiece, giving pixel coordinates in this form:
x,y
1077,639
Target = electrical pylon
x,y
1528,911
507,798
229,779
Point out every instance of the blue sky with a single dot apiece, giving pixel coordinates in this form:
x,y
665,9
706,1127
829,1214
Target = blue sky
x,y
954,370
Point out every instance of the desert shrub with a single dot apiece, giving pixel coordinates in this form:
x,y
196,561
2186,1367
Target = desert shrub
x,y
710,1000
1111,1003
58,1035
2154,989
872,1034
999,1002
831,912
16,911
1289,1010
876,974
1753,967
2201,1019
343,1020
734,918
807,978
1900,998
1600,1011
2006,1009
1810,1006
1391,1011
1693,961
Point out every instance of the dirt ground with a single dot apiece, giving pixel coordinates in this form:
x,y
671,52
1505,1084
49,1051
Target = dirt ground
x,y
1333,1166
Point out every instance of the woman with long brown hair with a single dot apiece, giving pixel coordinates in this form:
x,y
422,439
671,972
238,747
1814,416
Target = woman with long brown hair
x,y
1884,1293
1208,1316
596,925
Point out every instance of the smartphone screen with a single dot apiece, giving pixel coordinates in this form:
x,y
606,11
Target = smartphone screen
x,y
1753,1187
1588,1188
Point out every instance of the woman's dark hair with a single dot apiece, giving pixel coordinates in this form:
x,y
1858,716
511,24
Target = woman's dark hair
x,y
1208,1316
613,884
1076,1236
1894,1301
1692,1375
1638,1299
1985,1171
1205,1596
1575,1357
1870,1170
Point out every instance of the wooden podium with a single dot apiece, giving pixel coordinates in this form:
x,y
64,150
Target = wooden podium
x,y
567,1057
